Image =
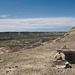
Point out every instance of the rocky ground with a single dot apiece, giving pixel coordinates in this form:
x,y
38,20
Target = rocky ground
x,y
37,61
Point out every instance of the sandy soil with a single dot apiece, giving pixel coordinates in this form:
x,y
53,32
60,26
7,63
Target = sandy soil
x,y
35,61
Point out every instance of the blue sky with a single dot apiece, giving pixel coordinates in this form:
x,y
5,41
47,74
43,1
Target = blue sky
x,y
37,15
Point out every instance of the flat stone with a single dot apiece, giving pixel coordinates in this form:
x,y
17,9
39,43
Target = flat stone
x,y
66,50
61,63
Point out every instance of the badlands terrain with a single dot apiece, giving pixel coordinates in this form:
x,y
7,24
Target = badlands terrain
x,y
38,60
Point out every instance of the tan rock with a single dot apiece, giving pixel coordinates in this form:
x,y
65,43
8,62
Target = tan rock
x,y
62,56
59,56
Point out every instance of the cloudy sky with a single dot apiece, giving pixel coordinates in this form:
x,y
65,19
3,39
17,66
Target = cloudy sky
x,y
37,15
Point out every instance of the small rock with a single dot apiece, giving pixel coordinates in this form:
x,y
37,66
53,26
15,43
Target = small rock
x,y
16,66
7,71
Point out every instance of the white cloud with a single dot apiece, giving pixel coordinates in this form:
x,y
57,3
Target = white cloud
x,y
3,16
36,23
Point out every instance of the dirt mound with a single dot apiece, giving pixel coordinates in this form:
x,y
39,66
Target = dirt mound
x,y
69,36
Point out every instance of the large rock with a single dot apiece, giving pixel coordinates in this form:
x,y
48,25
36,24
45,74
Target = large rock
x,y
59,56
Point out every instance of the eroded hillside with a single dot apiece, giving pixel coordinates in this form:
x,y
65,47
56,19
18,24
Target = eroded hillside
x,y
37,61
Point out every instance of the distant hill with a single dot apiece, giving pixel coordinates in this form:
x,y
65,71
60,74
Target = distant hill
x,y
14,35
